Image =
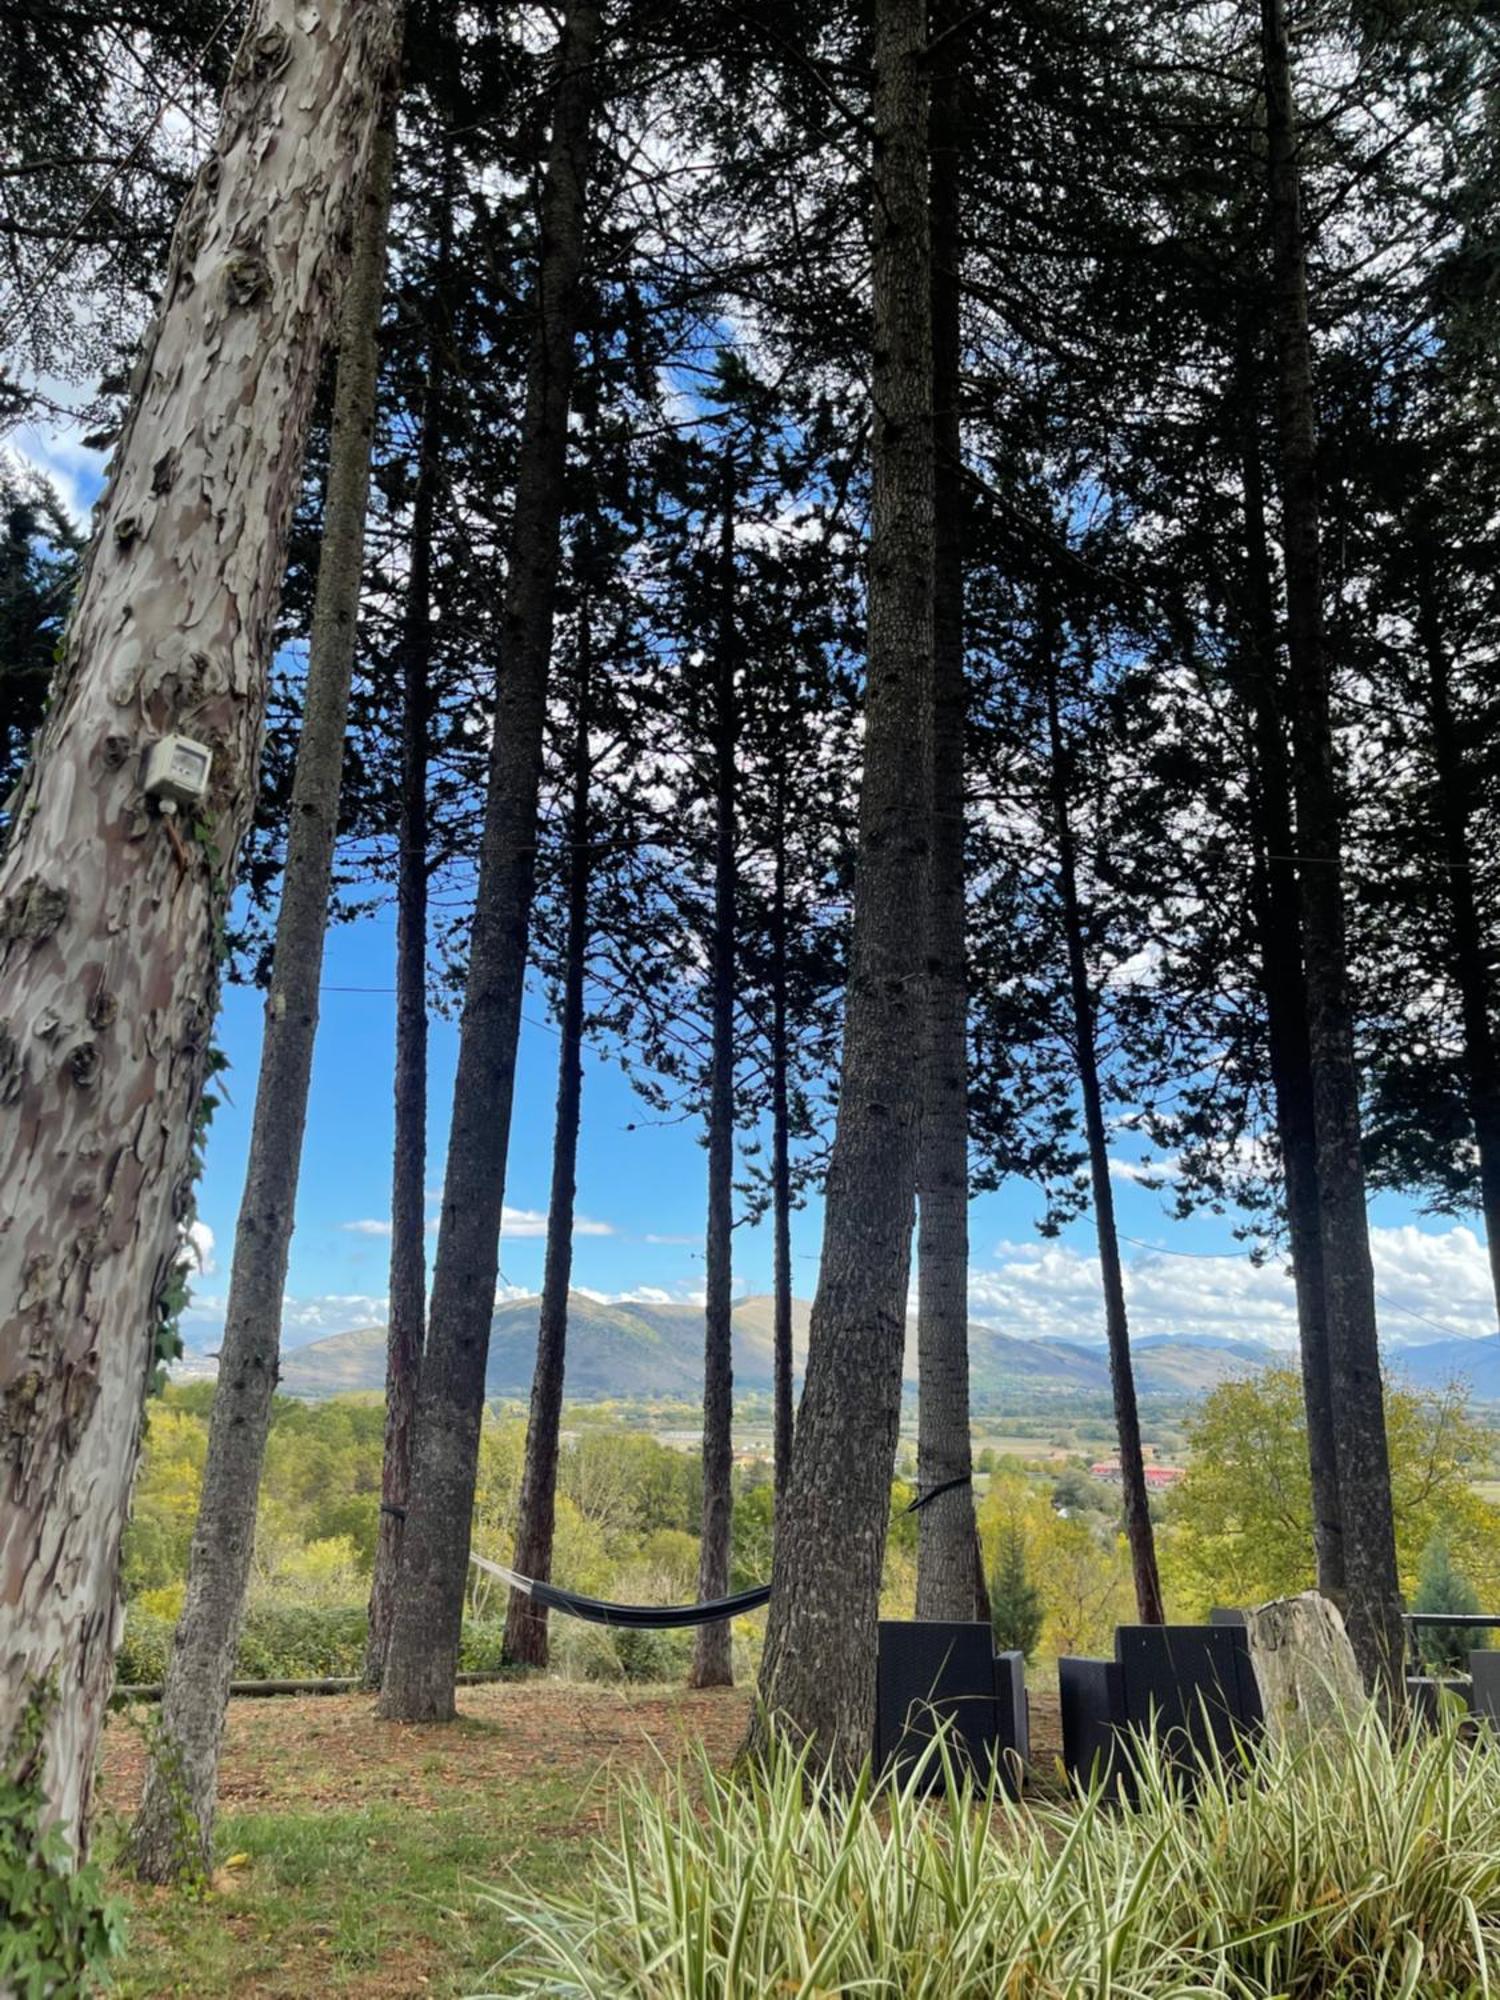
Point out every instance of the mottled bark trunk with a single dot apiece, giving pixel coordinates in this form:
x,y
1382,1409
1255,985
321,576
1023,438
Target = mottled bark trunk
x,y
818,1670
422,1656
108,929
1278,922
1137,1504
1471,954
713,1657
183,1773
1374,1598
946,1528
525,1619
406,1328
782,1363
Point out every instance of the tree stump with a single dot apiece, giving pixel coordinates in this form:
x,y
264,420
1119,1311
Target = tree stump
x,y
1304,1664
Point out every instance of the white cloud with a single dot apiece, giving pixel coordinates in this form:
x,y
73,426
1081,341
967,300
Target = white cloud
x,y
515,1223
1143,1170
200,1243
1053,1290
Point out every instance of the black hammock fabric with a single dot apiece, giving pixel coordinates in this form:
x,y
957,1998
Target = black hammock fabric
x,y
659,1617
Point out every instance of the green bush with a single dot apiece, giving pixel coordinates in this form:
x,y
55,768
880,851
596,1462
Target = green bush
x,y
289,1643
1359,1866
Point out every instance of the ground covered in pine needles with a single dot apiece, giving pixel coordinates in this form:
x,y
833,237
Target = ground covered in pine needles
x,y
356,1853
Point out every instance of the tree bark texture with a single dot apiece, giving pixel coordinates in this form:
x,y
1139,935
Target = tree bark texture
x,y
818,1669
183,1771
1374,1598
713,1657
1278,922
781,1157
406,1328
946,1529
422,1656
525,1618
1470,946
108,929
1138,1531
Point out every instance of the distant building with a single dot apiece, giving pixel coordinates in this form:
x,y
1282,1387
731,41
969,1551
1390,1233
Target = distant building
x,y
1157,1476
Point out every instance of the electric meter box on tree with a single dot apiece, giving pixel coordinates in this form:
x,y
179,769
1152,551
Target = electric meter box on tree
x,y
177,771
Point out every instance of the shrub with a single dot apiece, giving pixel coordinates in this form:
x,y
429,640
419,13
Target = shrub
x,y
1445,1649
288,1642
1357,1866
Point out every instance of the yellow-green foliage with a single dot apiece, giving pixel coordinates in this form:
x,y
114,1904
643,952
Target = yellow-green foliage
x,y
1077,1560
1359,1867
1239,1528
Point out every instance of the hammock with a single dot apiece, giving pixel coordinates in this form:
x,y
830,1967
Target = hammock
x,y
657,1617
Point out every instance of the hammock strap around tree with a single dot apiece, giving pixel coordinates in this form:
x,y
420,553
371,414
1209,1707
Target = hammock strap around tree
x,y
657,1617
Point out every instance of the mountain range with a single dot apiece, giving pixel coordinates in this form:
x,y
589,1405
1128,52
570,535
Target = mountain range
x,y
654,1351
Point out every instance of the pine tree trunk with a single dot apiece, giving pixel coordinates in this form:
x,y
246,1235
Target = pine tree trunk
x,y
184,1765
818,1670
1278,923
1138,1530
946,1528
108,929
713,1655
1374,1597
525,1619
406,1328
781,1158
1470,958
422,1655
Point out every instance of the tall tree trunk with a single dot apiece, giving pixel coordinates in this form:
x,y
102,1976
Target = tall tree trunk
x,y
946,1569
183,1772
713,1655
818,1669
422,1656
1138,1531
782,1363
1278,923
109,927
526,1619
1470,956
406,1328
1374,1596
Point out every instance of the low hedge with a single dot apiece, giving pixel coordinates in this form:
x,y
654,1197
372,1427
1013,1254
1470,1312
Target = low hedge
x,y
289,1643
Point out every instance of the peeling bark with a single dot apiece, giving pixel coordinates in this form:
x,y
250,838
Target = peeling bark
x,y
818,1669
107,934
1374,1595
183,1773
423,1653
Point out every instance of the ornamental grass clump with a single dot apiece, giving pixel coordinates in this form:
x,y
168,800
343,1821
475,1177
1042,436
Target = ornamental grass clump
x,y
1360,1866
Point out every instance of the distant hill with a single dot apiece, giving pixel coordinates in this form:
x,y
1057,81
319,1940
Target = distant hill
x,y
1435,1363
653,1351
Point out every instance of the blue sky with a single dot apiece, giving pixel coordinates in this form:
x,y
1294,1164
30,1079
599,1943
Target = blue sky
x,y
640,1184
640,1192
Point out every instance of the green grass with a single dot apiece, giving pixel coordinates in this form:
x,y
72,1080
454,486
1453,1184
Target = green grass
x,y
376,1900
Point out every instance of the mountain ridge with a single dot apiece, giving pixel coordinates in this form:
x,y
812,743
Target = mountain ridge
x,y
653,1350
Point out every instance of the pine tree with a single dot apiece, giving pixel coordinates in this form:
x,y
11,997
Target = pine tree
x,y
1017,1613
